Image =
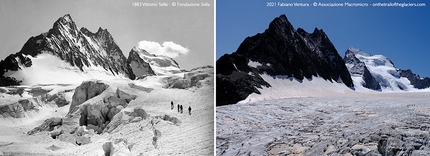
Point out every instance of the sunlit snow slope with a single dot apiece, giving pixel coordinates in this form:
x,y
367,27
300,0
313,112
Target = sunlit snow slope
x,y
383,70
158,64
49,69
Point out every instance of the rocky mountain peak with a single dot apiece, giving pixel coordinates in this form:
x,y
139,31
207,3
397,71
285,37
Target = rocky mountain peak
x,y
415,79
282,27
86,31
279,50
65,21
78,47
358,68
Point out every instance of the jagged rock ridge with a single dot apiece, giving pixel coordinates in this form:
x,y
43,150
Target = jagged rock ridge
x,y
281,50
80,48
416,80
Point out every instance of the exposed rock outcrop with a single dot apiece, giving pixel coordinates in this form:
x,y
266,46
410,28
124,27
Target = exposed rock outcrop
x,y
95,104
78,47
123,95
144,63
194,78
85,91
97,113
126,117
415,79
358,68
375,72
279,50
141,88
140,67
47,125
41,98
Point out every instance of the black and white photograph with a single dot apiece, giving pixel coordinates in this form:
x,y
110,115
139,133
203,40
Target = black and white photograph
x,y
107,77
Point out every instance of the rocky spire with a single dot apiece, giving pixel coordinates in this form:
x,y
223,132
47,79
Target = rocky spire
x,y
281,50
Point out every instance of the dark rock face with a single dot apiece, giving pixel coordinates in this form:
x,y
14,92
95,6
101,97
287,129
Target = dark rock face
x,y
415,79
85,91
281,50
139,66
145,64
116,59
20,108
47,125
77,47
58,99
99,113
359,68
11,63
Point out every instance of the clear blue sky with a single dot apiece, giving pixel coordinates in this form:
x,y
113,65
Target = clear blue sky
x,y
401,34
191,27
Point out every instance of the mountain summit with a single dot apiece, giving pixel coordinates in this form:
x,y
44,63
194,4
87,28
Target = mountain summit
x,y
279,50
359,71
144,63
64,54
377,72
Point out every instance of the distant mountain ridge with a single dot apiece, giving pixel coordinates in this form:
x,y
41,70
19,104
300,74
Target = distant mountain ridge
x,y
377,72
279,50
144,63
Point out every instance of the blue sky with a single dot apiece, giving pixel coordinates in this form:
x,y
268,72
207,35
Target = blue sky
x,y
401,34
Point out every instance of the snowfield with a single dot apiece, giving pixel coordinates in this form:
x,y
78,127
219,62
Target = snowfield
x,y
383,70
162,131
348,123
49,69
